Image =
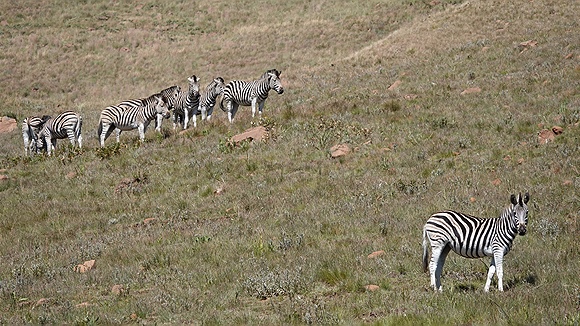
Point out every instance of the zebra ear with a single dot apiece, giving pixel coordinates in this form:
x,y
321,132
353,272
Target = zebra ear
x,y
513,199
526,198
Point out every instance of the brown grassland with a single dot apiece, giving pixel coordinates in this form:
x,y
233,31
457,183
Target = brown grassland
x,y
278,232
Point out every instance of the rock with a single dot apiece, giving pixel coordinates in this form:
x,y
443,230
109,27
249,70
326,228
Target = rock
x,y
4,177
471,90
257,133
118,289
557,130
7,124
149,220
376,254
339,150
496,182
85,267
395,85
372,287
545,136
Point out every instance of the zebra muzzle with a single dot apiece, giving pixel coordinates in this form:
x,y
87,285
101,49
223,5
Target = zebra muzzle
x,y
522,229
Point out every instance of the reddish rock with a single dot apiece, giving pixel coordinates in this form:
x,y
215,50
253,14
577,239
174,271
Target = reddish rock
x,y
257,133
545,136
85,267
372,287
7,124
496,182
149,220
557,130
118,289
471,90
339,150
394,85
376,254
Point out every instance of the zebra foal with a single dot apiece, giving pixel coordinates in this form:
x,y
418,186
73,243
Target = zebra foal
x,y
473,237
253,93
30,129
65,125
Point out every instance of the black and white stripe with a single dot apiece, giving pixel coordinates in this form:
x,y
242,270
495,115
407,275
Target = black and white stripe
x,y
186,105
65,125
473,237
30,129
254,93
128,118
209,97
169,96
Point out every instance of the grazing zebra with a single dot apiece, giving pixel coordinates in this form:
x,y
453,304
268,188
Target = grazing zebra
x,y
254,93
169,95
474,237
30,128
65,125
129,118
208,99
186,104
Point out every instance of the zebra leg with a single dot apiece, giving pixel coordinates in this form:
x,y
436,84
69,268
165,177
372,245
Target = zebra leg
x,y
118,135
499,271
490,274
438,256
185,118
254,103
261,107
158,123
232,112
203,111
142,129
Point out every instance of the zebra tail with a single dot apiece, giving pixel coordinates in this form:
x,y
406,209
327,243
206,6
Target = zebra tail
x,y
222,105
425,251
100,129
79,126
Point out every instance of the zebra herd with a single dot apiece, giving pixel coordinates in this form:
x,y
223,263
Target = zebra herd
x,y
41,133
466,235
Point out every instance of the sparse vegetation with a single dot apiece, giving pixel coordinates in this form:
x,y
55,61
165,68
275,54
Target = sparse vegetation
x,y
199,230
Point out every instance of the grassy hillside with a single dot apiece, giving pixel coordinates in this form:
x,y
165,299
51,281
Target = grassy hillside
x,y
195,230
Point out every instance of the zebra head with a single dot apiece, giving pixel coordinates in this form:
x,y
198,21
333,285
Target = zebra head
x,y
170,96
273,76
161,107
519,213
193,84
217,85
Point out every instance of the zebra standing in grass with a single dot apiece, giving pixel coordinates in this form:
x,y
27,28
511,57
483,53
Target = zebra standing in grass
x,y
186,104
254,93
208,99
30,128
129,118
474,237
170,96
65,125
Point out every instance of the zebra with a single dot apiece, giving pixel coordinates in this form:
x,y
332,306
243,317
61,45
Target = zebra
x,y
474,237
129,118
186,104
254,93
208,99
169,95
65,125
30,128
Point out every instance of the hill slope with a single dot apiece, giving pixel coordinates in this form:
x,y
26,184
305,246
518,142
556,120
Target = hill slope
x,y
197,230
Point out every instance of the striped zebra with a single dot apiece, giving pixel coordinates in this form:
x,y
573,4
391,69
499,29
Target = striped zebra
x,y
254,93
186,104
128,118
208,99
65,125
474,237
169,95
30,129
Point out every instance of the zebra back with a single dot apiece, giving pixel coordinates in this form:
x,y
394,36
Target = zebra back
x,y
476,237
242,92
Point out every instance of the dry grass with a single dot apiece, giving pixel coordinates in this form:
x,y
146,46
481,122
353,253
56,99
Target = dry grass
x,y
278,232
